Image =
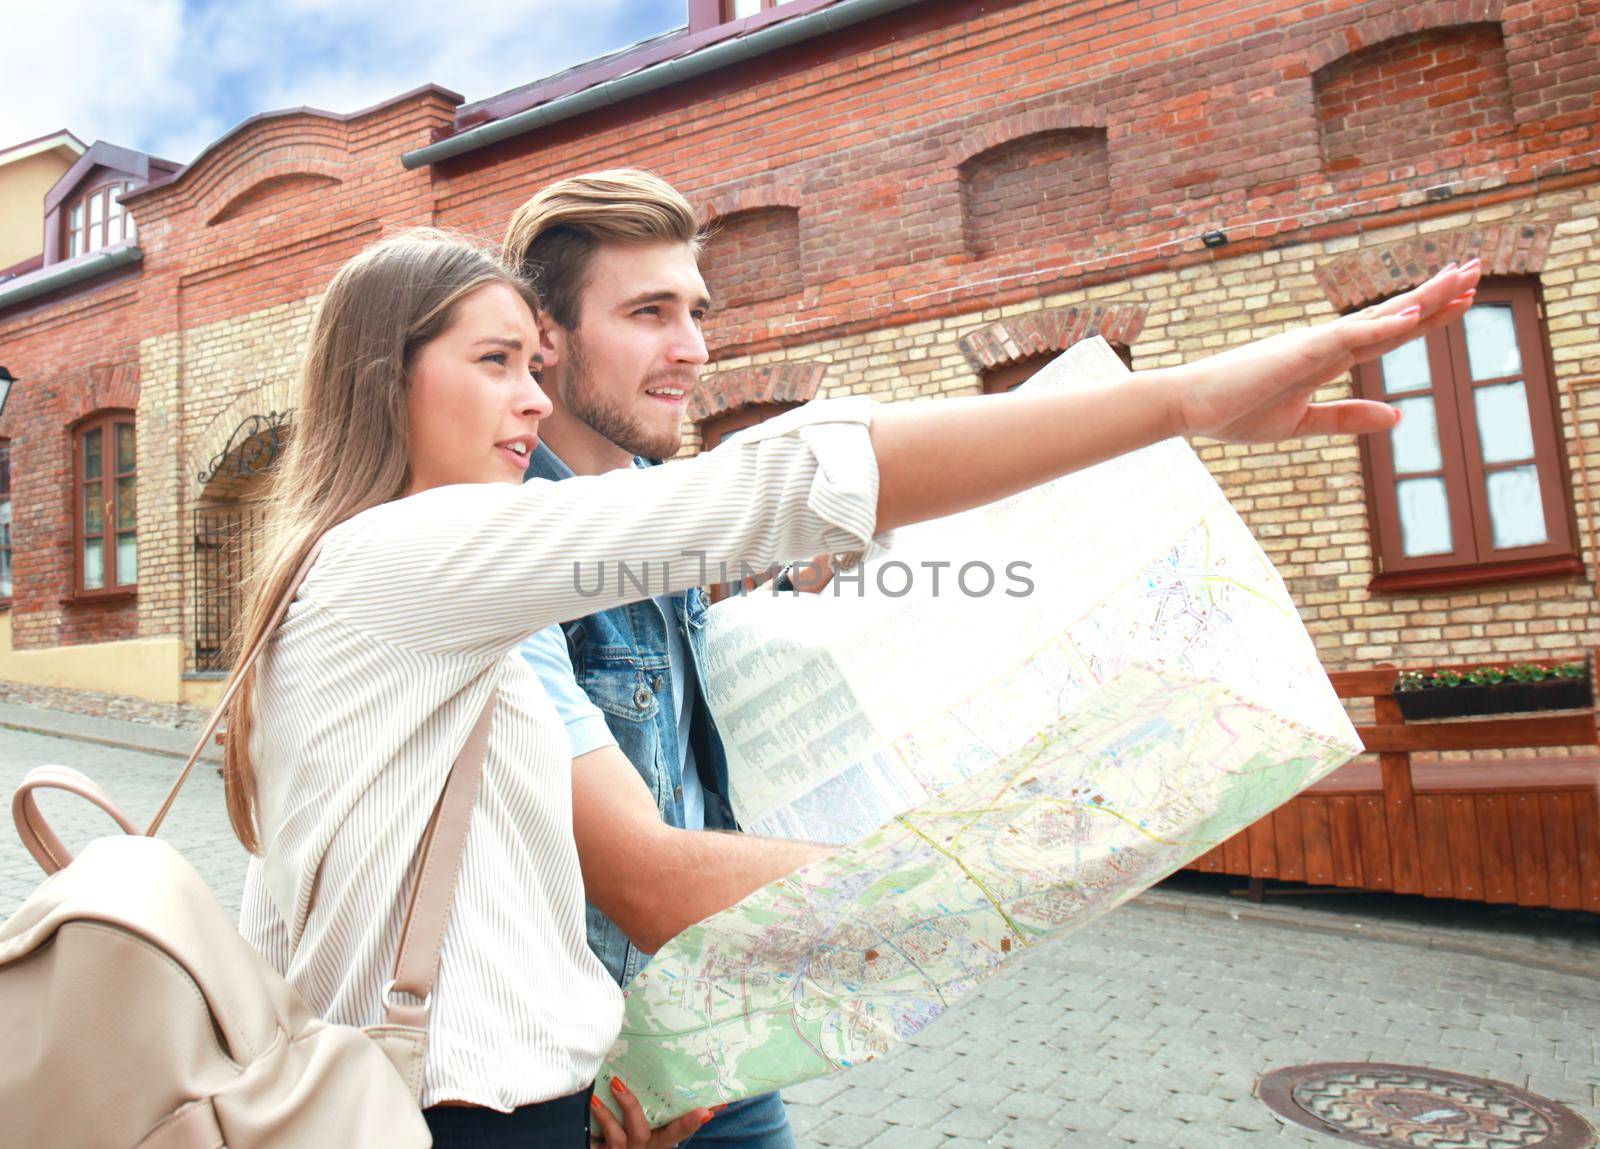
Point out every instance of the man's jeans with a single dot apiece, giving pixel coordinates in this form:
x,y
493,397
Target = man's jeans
x,y
754,1123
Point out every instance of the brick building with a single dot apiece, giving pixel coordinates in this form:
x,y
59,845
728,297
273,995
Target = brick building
x,y
914,197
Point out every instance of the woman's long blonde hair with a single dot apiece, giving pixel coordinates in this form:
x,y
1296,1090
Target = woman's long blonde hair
x,y
350,449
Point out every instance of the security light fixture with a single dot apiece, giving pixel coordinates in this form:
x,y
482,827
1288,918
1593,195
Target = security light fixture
x,y
1214,238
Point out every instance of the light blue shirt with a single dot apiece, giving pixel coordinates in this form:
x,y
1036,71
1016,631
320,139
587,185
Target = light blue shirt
x,y
547,653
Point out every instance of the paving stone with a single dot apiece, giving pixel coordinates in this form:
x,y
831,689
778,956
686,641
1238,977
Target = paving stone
x,y
1146,1129
1148,1027
847,1130
974,1124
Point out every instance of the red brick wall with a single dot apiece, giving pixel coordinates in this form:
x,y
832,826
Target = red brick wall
x,y
1427,102
753,255
1052,183
1210,117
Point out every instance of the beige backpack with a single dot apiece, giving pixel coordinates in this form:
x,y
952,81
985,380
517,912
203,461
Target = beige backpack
x,y
133,1014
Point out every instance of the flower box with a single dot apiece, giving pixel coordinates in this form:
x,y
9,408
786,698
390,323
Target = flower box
x,y
1435,696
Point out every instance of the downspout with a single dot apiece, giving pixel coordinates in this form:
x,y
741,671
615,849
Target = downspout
x,y
668,72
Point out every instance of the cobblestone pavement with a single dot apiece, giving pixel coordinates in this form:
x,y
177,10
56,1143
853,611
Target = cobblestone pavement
x,y
1150,1027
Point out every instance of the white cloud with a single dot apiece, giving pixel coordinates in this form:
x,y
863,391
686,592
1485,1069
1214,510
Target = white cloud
x,y
168,77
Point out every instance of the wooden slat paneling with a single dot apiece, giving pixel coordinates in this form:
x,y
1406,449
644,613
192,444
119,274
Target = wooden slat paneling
x,y
1494,838
1375,853
1586,816
1263,849
1318,842
1346,835
1290,840
1466,849
1433,843
1561,848
1527,850
1236,855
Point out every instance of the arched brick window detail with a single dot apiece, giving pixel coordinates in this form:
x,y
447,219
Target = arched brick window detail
x,y
1419,103
775,385
1000,352
753,255
1373,274
1054,184
1010,376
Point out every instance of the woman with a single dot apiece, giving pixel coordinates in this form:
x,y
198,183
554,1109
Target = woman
x,y
417,413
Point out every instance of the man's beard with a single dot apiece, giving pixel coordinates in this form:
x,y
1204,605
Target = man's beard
x,y
615,425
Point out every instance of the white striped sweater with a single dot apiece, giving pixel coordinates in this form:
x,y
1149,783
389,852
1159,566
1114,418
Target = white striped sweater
x,y
409,618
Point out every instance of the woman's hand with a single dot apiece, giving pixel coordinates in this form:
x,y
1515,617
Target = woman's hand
x,y
632,1132
1262,392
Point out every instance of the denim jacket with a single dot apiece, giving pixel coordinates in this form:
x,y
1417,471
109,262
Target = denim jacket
x,y
620,659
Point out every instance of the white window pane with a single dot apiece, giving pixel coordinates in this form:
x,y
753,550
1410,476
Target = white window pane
x,y
97,238
1406,368
97,208
1505,430
1516,512
94,565
1492,341
742,8
127,560
114,202
1424,517
77,217
1415,439
75,246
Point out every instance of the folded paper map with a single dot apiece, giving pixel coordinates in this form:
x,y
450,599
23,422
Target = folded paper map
x,y
1012,720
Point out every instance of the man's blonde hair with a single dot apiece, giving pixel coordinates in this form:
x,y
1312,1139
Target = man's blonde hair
x,y
553,237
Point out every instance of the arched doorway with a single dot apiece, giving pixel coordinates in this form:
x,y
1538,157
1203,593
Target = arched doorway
x,y
228,524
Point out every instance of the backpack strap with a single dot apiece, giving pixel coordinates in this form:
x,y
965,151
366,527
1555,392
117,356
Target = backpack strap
x,y
416,966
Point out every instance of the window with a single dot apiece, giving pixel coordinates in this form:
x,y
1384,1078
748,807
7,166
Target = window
x,y
717,428
107,508
1469,486
739,9
1010,376
97,220
5,521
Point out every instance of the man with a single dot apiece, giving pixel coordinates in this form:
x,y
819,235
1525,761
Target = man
x,y
614,259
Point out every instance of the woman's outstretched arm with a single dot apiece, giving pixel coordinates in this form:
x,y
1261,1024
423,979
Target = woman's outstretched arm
x,y
937,458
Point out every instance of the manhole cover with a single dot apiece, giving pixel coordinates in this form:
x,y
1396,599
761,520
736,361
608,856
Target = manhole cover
x,y
1390,1105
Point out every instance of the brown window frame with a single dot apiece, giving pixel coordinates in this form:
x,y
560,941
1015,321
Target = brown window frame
x,y
7,519
76,216
1472,562
718,427
1009,376
106,422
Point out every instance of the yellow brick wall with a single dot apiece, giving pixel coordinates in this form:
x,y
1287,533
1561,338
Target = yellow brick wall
x,y
197,388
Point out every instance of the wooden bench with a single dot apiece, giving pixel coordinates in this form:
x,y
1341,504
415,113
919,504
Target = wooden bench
x,y
1523,831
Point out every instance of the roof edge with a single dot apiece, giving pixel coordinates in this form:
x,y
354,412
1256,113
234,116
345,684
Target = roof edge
x,y
713,56
454,97
67,274
40,144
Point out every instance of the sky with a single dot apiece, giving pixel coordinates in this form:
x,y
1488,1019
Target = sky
x,y
169,76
